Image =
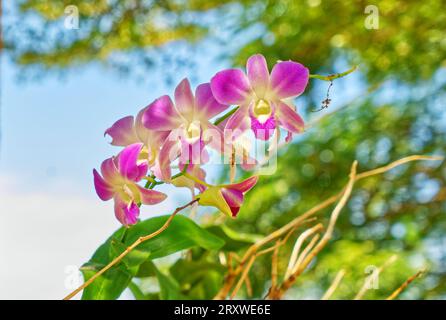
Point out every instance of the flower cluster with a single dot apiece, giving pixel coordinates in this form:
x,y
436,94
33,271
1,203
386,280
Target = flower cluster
x,y
181,132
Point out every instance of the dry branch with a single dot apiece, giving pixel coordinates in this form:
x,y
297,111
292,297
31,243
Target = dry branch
x,y
368,281
298,221
334,285
397,292
289,281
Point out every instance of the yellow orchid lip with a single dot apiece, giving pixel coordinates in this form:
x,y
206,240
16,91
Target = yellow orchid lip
x,y
193,132
262,110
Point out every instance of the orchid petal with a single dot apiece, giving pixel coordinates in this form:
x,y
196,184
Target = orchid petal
x,y
213,137
161,115
103,189
127,214
258,74
128,163
230,87
206,102
193,153
151,196
245,185
169,152
184,99
109,170
214,198
263,131
289,119
122,132
288,79
234,199
238,123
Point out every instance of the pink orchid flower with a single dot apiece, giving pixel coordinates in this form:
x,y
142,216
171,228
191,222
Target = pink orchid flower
x,y
261,95
128,130
119,181
187,122
227,198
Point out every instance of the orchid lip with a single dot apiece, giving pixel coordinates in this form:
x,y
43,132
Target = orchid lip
x,y
262,110
192,131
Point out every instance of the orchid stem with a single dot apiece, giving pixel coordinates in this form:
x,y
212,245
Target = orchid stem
x,y
189,176
225,116
152,183
331,77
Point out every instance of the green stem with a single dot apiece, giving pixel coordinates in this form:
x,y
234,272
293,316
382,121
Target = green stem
x,y
152,183
225,116
189,176
150,180
179,174
331,77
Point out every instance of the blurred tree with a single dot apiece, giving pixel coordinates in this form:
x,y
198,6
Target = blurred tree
x,y
408,44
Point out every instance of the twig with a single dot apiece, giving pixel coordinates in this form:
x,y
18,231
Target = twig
x,y
277,294
307,249
248,287
296,249
129,249
274,269
316,121
298,221
370,278
334,285
242,278
405,284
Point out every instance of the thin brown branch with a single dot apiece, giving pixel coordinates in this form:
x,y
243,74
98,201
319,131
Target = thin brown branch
x,y
242,278
274,265
397,292
298,221
307,249
128,250
298,244
277,294
368,281
334,285
248,287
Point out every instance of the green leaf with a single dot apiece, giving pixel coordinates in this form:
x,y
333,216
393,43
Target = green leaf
x,y
108,286
134,259
183,233
198,279
169,288
136,291
234,241
146,269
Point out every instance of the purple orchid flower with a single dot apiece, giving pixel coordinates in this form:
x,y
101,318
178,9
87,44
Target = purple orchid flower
x,y
227,198
187,122
261,96
128,130
119,181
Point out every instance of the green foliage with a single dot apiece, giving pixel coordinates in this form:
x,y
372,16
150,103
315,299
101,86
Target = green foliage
x,y
408,44
181,234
